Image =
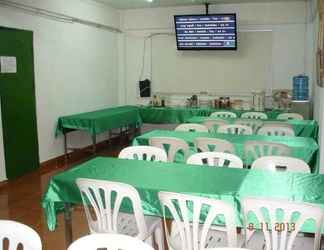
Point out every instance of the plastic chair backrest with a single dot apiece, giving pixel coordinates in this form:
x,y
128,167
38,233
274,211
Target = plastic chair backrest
x,y
235,129
146,153
252,123
223,114
256,149
271,130
109,241
228,248
213,124
174,145
19,234
105,199
191,127
215,159
186,211
281,222
281,163
214,145
254,115
290,116
278,124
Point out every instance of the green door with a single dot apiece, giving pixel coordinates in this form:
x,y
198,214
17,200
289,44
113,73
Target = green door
x,y
18,105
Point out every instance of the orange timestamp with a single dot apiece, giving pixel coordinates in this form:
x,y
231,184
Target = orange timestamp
x,y
279,227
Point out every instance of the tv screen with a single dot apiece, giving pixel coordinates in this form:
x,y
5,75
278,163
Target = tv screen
x,y
206,32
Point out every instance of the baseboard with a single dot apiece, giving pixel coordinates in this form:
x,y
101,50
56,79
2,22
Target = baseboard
x,y
78,155
3,183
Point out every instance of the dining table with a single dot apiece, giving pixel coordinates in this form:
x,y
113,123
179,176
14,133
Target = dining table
x,y
303,148
302,128
149,178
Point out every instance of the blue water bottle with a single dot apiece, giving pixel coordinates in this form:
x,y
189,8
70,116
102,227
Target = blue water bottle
x,y
300,88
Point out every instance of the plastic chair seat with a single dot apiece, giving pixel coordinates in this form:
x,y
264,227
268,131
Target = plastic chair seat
x,y
290,116
146,153
175,145
109,241
254,115
127,225
215,159
19,234
204,145
217,237
257,242
236,129
223,114
269,130
191,127
280,163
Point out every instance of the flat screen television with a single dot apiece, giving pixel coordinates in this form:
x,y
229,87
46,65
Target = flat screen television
x,y
206,32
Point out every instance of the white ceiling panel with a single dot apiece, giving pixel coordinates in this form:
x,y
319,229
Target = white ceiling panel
x,y
133,4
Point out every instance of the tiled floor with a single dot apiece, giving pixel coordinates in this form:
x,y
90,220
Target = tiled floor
x,y
20,200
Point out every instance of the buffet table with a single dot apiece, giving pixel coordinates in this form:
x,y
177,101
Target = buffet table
x,y
167,115
149,178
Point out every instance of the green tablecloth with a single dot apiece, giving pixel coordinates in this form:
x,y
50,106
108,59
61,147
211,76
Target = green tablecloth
x,y
160,115
150,177
97,122
302,147
304,128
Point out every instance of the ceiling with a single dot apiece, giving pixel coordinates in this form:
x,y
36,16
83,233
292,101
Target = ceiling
x,y
133,4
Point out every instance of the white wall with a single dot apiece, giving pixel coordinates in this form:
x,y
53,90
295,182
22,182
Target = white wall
x,y
75,65
313,24
286,20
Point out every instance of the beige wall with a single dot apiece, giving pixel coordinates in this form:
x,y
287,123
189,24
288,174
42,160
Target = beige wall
x,y
75,65
285,20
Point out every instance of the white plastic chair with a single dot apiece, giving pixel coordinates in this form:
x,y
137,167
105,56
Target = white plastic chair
x,y
254,124
215,159
191,232
270,130
235,129
18,233
227,248
104,199
203,145
213,124
146,153
109,241
256,149
223,114
280,163
280,233
191,127
175,145
290,116
254,115
278,124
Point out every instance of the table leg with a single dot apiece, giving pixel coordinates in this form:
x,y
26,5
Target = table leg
x,y
65,148
109,137
94,144
68,224
138,130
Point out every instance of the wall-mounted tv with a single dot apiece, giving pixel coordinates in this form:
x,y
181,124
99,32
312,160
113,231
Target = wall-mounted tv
x,y
206,32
